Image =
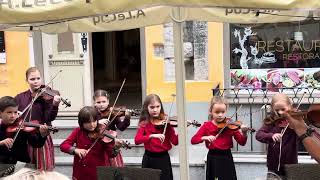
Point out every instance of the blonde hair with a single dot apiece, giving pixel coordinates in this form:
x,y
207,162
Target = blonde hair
x,y
216,100
31,70
280,97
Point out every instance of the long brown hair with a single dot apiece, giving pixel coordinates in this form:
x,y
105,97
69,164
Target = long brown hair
x,y
145,116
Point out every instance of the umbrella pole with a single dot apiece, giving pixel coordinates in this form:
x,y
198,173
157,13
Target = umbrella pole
x,y
180,92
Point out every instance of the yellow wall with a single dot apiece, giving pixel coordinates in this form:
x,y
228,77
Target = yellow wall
x,y
12,74
196,91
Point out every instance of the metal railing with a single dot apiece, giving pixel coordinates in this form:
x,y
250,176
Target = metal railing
x,y
256,105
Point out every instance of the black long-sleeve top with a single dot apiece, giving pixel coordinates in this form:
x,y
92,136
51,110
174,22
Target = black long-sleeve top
x,y
19,151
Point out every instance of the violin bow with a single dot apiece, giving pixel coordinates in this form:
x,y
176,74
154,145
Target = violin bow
x,y
167,118
283,131
221,130
28,108
95,142
299,103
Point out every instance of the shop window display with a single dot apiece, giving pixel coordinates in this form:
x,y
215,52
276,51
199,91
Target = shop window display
x,y
272,56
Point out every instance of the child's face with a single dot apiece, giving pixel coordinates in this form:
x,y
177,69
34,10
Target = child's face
x,y
219,110
101,103
90,126
280,107
154,109
34,80
9,115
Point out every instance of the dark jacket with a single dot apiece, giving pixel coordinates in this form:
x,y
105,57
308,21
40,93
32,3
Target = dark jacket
x,y
19,151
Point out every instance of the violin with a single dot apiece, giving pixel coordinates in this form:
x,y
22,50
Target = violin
x,y
281,120
120,111
27,127
313,114
231,124
160,122
108,136
49,93
121,144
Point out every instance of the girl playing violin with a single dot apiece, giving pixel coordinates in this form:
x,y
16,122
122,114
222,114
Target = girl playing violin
x,y
12,150
43,110
85,161
121,121
157,143
220,163
275,135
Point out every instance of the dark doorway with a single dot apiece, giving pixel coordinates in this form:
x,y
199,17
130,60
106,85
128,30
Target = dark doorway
x,y
116,55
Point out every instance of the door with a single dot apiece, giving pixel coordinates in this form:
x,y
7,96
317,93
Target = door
x,y
69,53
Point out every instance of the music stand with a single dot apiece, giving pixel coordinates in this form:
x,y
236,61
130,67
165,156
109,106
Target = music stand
x,y
302,171
125,173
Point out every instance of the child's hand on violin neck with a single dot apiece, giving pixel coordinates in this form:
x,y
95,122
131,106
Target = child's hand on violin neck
x,y
159,136
119,142
8,142
104,121
244,129
210,138
127,112
276,137
44,130
81,152
56,100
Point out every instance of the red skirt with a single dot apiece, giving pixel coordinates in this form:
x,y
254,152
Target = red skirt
x,y
43,157
117,161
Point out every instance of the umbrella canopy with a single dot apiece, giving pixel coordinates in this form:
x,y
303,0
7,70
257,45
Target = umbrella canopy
x,y
160,15
54,16
35,11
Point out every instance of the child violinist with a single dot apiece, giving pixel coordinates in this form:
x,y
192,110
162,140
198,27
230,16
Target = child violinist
x,y
12,150
157,143
278,136
43,110
121,121
219,163
81,139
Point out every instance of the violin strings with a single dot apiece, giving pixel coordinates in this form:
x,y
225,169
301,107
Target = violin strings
x,y
28,112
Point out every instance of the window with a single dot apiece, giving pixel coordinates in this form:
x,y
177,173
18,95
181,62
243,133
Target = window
x,y
65,42
158,50
195,46
274,56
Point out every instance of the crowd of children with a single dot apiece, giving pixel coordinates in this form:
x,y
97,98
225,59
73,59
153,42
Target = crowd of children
x,y
95,143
